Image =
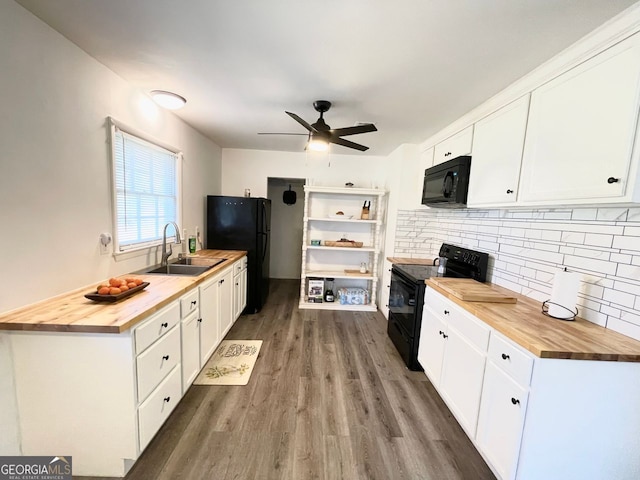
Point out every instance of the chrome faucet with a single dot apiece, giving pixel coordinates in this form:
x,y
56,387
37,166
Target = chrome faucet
x,y
165,255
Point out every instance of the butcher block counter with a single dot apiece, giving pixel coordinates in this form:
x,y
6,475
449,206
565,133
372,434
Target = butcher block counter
x,y
546,337
72,312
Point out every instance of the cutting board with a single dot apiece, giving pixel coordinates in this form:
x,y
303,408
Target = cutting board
x,y
469,290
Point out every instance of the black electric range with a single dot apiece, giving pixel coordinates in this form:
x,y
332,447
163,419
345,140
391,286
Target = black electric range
x,y
406,295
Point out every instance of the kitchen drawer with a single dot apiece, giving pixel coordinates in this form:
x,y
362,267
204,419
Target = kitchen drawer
x,y
155,410
238,266
510,358
189,302
156,326
475,331
158,360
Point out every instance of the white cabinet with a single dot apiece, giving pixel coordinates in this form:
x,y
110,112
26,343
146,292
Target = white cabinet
x,y
411,177
535,417
225,302
239,287
454,146
322,226
581,131
190,342
502,412
209,319
431,346
452,351
498,141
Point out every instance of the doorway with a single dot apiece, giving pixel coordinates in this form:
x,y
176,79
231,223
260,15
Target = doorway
x,y
286,227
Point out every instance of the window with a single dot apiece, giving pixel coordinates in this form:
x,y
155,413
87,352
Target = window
x,y
145,190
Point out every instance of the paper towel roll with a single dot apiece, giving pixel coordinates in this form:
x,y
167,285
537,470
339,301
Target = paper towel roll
x,y
564,294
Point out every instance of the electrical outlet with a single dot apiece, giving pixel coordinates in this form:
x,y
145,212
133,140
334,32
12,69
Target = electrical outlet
x,y
105,240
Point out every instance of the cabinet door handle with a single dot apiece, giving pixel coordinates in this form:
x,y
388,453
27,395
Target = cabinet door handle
x,y
505,356
509,191
221,281
612,180
165,357
446,312
193,302
444,335
200,320
237,284
440,332
165,325
515,401
167,399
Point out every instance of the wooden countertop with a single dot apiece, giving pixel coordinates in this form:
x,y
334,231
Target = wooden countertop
x,y
72,312
546,337
411,261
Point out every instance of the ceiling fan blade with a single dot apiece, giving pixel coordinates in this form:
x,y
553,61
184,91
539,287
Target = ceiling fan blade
x,y
281,133
347,143
301,121
342,132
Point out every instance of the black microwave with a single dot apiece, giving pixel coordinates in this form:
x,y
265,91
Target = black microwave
x,y
446,185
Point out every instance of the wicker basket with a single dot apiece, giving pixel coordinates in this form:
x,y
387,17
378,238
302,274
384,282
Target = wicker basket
x,y
349,243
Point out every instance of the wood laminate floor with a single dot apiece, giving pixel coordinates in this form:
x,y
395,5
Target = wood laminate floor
x,y
329,398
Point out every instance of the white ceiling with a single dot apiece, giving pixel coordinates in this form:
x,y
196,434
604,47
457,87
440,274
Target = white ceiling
x,y
409,66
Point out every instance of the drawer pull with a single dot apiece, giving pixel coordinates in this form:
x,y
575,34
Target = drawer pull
x,y
509,191
200,320
505,356
165,325
446,312
611,180
193,302
165,357
167,399
515,401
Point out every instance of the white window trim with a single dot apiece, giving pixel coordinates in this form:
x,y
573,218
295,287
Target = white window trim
x,y
143,249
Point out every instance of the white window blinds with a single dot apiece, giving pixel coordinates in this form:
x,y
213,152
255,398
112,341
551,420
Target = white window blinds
x,y
146,190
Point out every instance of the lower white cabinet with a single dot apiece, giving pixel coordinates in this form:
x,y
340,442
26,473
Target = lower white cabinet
x,y
225,303
504,404
239,287
209,319
537,418
453,350
190,343
155,409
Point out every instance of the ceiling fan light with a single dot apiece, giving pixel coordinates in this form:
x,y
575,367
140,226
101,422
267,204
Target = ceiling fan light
x,y
318,144
168,100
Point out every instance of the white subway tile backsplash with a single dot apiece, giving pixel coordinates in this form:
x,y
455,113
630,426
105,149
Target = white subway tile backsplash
x,y
620,298
584,214
626,243
612,214
527,247
598,239
573,237
585,263
623,327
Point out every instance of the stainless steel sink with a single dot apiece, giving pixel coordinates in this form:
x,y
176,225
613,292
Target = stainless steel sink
x,y
185,266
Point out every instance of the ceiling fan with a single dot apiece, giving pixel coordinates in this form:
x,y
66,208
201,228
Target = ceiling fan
x,y
321,135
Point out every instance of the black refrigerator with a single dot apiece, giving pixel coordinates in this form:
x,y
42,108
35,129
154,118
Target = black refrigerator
x,y
240,223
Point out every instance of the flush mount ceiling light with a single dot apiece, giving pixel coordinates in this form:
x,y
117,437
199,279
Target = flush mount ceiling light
x,y
318,143
169,100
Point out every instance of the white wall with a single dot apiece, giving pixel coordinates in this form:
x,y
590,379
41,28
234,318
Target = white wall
x,y
286,229
54,170
251,168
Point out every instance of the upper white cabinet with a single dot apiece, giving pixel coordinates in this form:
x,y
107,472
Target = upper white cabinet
x,y
581,131
412,178
498,141
454,146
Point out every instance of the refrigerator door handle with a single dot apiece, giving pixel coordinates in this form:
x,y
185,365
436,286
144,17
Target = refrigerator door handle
x,y
265,237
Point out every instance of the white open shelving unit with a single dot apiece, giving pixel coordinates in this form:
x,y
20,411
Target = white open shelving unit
x,y
320,261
